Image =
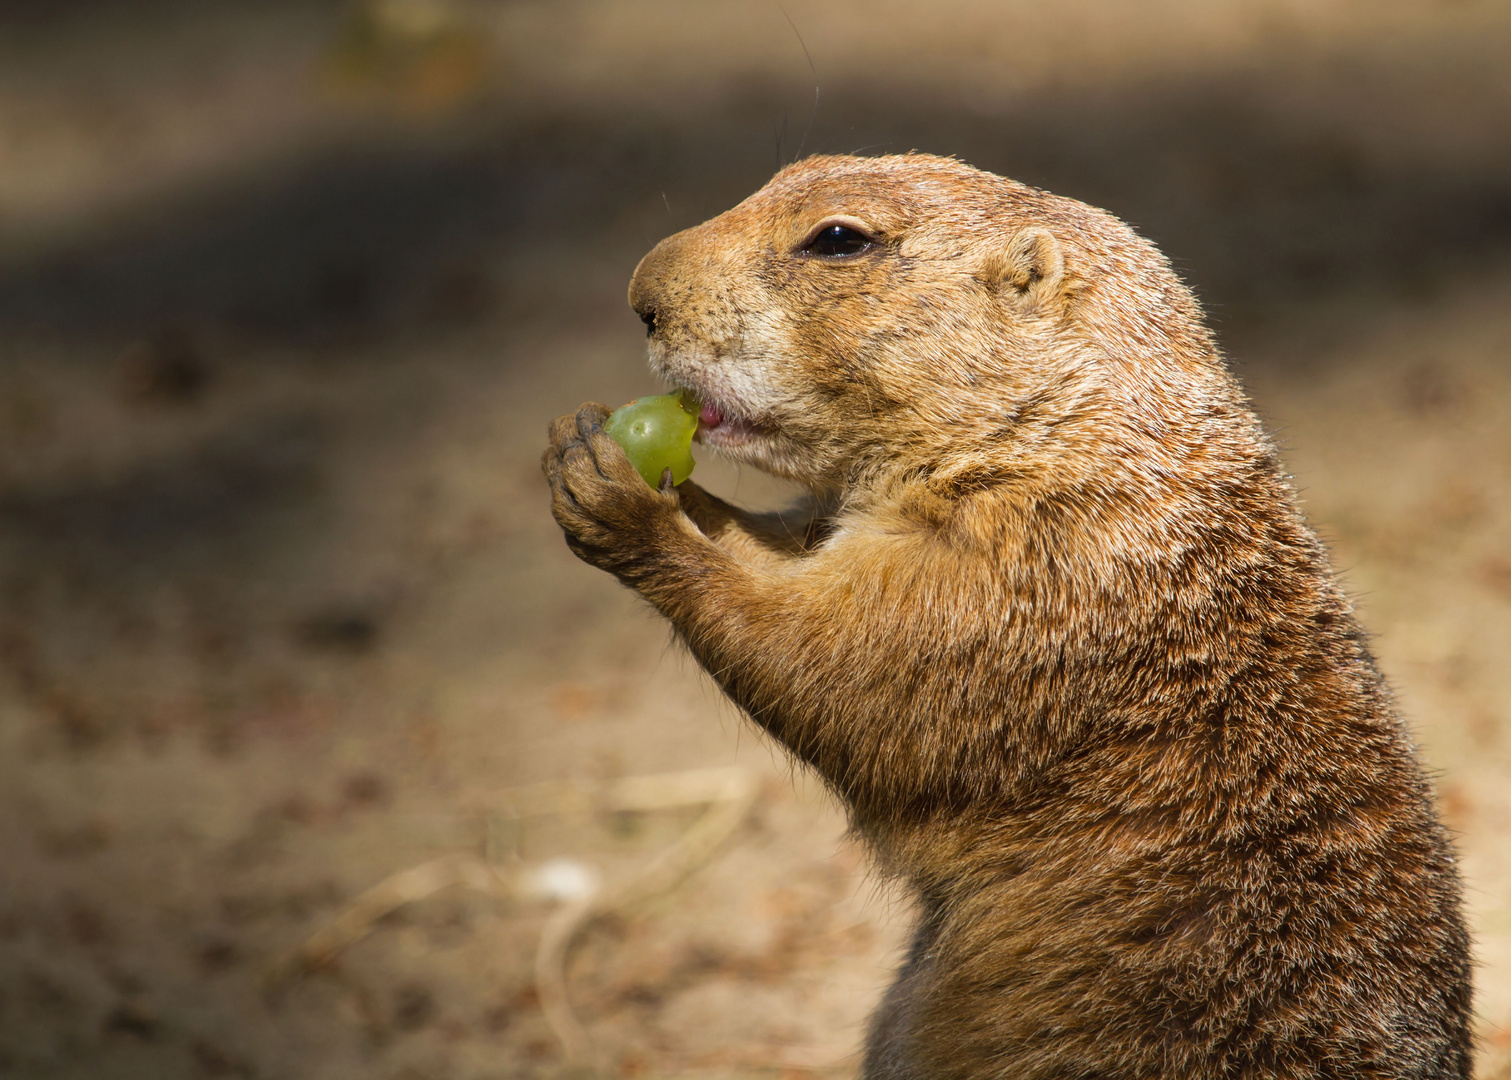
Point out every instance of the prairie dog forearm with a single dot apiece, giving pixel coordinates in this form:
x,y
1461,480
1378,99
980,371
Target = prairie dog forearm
x,y
879,731
772,539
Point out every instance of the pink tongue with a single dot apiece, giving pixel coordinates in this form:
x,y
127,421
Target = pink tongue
x,y
711,416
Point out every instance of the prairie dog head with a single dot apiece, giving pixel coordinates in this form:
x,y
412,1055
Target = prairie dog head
x,y
859,318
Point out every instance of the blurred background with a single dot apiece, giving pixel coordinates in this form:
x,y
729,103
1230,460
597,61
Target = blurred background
x,y
288,293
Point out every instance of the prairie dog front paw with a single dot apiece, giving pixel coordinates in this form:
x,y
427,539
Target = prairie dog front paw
x,y
611,518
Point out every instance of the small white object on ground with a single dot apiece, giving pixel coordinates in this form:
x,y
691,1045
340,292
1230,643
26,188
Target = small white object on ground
x,y
563,880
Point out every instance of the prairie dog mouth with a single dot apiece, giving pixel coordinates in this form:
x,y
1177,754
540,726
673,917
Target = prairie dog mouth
x,y
717,427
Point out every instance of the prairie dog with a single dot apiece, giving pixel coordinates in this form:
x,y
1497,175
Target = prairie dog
x,y
1053,628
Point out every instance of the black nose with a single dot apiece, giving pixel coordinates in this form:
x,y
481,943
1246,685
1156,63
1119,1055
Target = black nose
x,y
651,294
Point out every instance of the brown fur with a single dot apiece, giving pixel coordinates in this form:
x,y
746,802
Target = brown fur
x,y
1054,630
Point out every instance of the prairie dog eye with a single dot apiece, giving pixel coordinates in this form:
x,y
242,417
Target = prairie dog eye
x,y
837,241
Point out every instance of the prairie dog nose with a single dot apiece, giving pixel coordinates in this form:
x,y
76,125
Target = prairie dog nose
x,y
648,287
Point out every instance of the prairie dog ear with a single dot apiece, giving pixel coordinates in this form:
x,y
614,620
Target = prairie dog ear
x,y
1030,272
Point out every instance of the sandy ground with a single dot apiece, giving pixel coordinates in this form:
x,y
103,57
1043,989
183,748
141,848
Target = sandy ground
x,y
283,313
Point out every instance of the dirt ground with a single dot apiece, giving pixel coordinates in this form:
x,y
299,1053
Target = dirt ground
x,y
288,293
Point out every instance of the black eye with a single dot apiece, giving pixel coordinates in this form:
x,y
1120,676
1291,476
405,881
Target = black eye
x,y
837,241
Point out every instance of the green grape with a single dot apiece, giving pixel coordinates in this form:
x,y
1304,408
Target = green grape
x,y
657,434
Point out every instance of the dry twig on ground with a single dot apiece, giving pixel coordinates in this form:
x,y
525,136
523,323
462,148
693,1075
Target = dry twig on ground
x,y
728,794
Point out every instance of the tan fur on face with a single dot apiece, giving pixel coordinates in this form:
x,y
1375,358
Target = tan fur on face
x,y
1054,631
